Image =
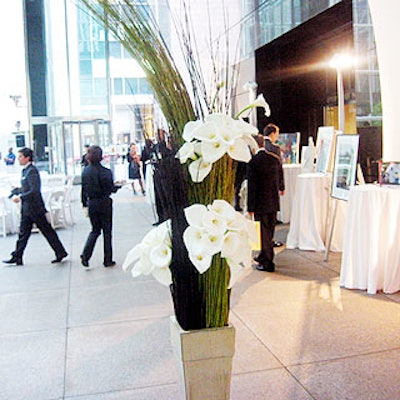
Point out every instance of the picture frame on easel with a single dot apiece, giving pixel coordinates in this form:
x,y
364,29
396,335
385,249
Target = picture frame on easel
x,y
324,148
345,165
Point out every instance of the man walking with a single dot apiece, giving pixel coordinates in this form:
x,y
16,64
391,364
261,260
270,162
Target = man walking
x,y
265,183
33,211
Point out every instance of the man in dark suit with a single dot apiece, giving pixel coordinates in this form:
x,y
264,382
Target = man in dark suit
x,y
271,133
33,211
265,184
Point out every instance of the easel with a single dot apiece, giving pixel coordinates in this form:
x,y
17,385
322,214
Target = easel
x,y
332,227
360,181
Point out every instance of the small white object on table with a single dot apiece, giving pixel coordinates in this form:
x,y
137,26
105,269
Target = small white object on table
x,y
290,172
308,223
371,251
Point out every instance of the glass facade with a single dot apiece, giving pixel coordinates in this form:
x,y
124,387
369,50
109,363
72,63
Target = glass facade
x,y
368,96
265,20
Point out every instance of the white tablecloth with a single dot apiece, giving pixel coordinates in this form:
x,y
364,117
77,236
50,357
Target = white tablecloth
x,y
311,204
371,251
12,218
290,172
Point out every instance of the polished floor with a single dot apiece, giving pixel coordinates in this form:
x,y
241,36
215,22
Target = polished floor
x,y
71,333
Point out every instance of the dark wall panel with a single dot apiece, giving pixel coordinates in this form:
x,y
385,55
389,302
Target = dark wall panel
x,y
292,70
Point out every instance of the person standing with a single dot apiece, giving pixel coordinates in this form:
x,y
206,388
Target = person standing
x,y
271,133
265,184
10,157
97,186
33,211
134,168
84,161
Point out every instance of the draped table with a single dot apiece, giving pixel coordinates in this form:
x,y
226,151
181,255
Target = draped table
x,y
12,218
371,251
311,209
290,172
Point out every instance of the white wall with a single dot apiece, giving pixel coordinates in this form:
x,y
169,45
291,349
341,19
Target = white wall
x,y
12,73
385,19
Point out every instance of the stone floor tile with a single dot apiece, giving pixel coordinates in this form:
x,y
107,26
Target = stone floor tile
x,y
369,377
32,366
120,356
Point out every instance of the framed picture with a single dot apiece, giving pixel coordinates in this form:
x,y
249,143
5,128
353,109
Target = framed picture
x,y
345,166
325,140
389,173
289,143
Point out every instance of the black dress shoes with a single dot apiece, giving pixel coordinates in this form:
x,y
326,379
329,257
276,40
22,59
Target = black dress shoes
x,y
14,260
266,268
277,244
109,264
84,262
59,258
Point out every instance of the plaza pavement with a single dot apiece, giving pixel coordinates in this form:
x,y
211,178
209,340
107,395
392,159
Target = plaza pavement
x,y
98,334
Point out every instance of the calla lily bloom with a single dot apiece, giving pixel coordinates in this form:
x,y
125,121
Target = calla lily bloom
x,y
201,260
199,169
186,152
194,214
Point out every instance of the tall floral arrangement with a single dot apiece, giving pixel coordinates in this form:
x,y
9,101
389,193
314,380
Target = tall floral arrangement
x,y
203,246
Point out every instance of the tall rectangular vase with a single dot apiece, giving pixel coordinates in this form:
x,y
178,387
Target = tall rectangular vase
x,y
205,361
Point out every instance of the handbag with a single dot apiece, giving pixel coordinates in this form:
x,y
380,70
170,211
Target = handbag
x,y
256,246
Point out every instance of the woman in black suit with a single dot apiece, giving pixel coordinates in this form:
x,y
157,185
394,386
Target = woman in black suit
x,y
97,186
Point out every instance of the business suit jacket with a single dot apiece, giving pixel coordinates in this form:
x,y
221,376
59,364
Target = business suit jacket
x,y
264,180
272,148
31,199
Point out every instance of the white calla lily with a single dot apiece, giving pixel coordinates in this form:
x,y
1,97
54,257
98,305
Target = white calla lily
x,y
201,260
212,242
260,102
132,257
163,275
160,256
209,131
199,169
223,209
232,246
142,267
214,222
193,238
186,152
239,150
237,223
213,150
236,270
189,128
194,214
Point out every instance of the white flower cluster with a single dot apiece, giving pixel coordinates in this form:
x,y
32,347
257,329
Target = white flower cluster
x,y
206,142
152,255
218,228
214,229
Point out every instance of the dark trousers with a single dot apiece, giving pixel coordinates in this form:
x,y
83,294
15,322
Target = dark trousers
x,y
25,230
267,225
100,214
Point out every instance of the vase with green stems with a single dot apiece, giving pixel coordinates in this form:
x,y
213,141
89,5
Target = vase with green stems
x,y
198,259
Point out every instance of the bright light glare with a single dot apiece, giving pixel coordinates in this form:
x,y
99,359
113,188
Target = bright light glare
x,y
342,61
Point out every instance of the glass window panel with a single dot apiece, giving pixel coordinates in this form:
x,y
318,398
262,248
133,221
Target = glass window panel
x,y
131,86
118,86
115,49
85,67
100,86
